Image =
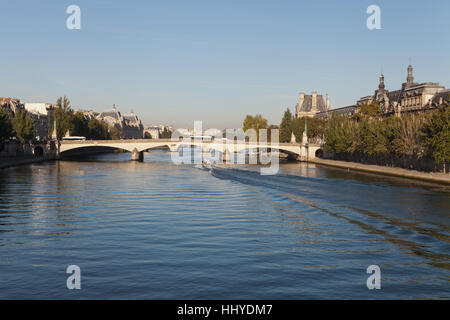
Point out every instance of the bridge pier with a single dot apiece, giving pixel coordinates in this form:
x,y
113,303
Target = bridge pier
x,y
137,156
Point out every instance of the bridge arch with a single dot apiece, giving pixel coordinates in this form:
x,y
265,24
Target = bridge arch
x,y
319,153
38,151
66,148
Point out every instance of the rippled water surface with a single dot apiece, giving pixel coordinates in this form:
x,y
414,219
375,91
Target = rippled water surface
x,y
155,230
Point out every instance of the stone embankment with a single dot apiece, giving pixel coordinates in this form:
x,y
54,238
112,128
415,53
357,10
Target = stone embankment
x,y
391,171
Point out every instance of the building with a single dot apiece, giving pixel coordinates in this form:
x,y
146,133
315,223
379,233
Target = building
x,y
411,97
310,105
129,126
89,114
11,104
42,115
132,127
155,131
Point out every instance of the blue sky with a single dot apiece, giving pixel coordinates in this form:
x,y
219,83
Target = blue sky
x,y
174,62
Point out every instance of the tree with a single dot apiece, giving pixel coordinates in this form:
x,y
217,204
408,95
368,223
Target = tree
x,y
286,126
98,130
368,110
269,132
342,134
316,128
373,138
79,125
405,135
437,136
6,127
255,123
114,133
166,134
23,125
63,117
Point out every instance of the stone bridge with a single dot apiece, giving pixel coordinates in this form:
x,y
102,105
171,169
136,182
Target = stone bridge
x,y
303,152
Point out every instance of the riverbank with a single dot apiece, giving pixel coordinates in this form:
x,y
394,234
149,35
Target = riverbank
x,y
19,161
390,171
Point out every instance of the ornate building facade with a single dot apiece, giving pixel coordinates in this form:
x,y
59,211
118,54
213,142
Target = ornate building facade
x,y
411,97
42,115
11,104
310,105
129,126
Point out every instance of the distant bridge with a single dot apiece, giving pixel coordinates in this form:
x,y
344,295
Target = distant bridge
x,y
303,152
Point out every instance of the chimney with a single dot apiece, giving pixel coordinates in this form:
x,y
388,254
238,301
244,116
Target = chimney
x,y
328,102
302,98
314,101
300,103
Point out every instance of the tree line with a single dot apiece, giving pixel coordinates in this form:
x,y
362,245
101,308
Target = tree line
x,y
78,125
414,141
292,125
21,125
407,141
289,124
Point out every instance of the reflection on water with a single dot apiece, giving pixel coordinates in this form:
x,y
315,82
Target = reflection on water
x,y
159,231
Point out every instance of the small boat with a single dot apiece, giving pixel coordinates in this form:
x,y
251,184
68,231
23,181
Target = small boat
x,y
206,164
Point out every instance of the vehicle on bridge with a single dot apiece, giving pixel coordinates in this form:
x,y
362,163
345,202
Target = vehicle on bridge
x,y
202,138
74,138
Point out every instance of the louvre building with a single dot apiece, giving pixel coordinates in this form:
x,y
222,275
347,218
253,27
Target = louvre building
x,y
411,97
129,126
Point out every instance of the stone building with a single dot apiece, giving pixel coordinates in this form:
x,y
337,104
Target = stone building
x,y
11,104
156,131
42,115
411,97
310,105
129,126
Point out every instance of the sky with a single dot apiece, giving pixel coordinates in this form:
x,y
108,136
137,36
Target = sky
x,y
174,62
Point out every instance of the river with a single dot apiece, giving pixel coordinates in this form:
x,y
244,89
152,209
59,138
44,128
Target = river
x,y
156,230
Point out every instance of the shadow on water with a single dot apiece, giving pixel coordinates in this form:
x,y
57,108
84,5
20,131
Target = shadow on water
x,y
414,219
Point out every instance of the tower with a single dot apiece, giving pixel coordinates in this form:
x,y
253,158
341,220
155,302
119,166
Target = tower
x,y
314,102
381,84
410,77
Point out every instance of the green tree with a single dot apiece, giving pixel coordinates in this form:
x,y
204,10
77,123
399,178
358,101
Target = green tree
x,y
98,130
316,128
341,135
63,117
79,125
373,138
269,132
286,126
166,134
254,123
6,127
23,125
437,136
405,135
368,110
114,133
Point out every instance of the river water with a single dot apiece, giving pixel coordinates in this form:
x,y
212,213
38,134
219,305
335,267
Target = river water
x,y
155,230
